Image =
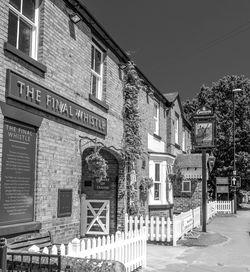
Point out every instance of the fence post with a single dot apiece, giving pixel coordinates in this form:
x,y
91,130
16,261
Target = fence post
x,y
174,231
3,255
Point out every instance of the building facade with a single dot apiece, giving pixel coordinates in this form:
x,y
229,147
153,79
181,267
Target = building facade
x,y
188,190
61,98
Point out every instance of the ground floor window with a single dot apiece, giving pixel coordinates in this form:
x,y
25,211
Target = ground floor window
x,y
186,186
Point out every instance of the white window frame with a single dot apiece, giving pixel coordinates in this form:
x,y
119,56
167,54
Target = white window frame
x,y
156,118
176,128
34,37
157,181
184,140
189,182
99,91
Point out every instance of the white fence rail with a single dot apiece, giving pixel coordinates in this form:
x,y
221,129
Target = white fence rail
x,y
164,229
128,248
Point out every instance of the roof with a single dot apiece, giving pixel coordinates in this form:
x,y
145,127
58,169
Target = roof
x,y
80,7
189,160
171,96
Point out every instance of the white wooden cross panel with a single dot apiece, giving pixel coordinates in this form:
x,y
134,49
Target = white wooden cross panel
x,y
99,216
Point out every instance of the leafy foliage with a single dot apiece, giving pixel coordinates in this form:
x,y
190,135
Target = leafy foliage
x,y
97,165
132,138
145,184
132,143
219,97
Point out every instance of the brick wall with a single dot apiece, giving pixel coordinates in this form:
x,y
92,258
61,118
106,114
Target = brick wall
x,y
186,201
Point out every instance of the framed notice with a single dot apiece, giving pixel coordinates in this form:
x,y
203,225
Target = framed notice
x,y
18,173
64,207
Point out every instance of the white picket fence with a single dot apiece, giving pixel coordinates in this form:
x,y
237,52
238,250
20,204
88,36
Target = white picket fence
x,y
162,229
128,248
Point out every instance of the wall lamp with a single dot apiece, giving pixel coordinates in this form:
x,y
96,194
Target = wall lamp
x,y
75,18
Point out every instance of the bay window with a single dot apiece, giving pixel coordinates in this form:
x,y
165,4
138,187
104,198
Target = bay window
x,y
157,182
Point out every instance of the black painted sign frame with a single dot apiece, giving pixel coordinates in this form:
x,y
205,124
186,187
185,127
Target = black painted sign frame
x,y
64,205
18,173
26,91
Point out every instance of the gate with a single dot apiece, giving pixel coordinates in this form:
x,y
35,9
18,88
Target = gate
x,y
96,217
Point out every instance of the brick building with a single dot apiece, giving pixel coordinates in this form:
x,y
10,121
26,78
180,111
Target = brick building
x,y
173,137
61,97
188,192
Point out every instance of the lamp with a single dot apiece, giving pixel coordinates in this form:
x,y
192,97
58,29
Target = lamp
x,y
211,162
75,18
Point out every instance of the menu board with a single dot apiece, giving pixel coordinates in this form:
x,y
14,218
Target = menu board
x,y
18,173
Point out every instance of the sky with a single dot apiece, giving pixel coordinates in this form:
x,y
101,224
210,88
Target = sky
x,y
180,45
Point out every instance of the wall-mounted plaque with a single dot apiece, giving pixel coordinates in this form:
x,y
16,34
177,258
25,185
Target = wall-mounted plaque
x,y
103,185
18,173
64,202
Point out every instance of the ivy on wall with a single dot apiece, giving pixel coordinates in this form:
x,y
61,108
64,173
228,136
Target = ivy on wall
x,y
132,141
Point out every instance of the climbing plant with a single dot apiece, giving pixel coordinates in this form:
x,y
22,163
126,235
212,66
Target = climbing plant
x,y
132,142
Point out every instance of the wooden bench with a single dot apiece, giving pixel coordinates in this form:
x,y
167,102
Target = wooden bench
x,y
25,241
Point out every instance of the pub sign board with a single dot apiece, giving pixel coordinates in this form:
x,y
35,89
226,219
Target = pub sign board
x,y
204,129
18,173
26,91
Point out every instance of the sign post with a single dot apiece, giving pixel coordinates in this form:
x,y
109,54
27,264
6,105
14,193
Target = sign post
x,y
204,131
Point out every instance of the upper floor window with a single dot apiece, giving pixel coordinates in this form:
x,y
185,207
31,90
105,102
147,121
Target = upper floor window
x,y
184,140
157,182
176,128
96,71
156,118
23,26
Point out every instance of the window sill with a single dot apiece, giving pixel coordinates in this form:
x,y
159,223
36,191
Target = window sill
x,y
157,136
100,103
28,62
20,228
177,146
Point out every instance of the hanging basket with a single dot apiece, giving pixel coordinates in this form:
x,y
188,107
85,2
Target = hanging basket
x,y
145,184
97,165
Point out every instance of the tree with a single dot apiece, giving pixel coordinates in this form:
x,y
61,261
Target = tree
x,y
219,97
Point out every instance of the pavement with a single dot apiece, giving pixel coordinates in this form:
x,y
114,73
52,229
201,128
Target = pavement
x,y
225,247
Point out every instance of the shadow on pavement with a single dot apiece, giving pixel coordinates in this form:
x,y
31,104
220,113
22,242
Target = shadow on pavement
x,y
205,239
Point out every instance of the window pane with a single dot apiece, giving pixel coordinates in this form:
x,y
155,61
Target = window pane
x,y
29,9
93,85
186,186
12,31
16,4
98,60
25,37
157,191
157,172
155,110
92,56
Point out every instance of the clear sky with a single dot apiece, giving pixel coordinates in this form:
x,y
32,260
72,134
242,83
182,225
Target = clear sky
x,y
180,44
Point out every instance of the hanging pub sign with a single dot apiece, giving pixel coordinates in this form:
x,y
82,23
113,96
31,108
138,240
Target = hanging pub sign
x,y
204,128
